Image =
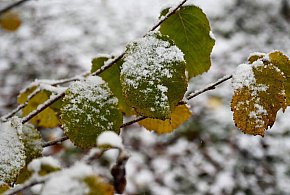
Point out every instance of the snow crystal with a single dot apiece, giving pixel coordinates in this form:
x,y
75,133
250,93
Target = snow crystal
x,y
35,164
12,155
110,138
68,181
243,77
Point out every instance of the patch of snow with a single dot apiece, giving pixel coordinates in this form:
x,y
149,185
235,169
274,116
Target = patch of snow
x,y
35,164
243,77
68,181
110,138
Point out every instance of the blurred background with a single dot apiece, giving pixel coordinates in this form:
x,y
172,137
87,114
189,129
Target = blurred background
x,y
207,155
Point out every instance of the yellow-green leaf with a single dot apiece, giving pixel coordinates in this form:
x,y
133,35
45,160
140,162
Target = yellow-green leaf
x,y
153,76
48,118
179,115
280,60
190,30
89,108
10,21
258,95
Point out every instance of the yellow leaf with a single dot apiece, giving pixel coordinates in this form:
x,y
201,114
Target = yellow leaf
x,y
47,118
3,187
98,186
10,21
179,115
258,95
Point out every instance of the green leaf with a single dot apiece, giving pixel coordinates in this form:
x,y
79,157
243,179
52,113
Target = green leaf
x,y
189,29
48,118
89,108
112,77
258,95
32,141
153,76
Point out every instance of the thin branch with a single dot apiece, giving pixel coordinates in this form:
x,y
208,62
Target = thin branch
x,y
54,142
133,121
41,107
31,182
168,15
9,7
208,87
20,106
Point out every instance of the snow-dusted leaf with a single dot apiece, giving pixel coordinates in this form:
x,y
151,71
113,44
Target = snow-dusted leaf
x,y
48,118
258,95
189,29
77,180
32,141
153,76
280,60
10,21
179,115
112,77
12,152
89,108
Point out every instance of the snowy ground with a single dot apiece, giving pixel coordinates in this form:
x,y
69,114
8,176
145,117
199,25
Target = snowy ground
x,y
59,38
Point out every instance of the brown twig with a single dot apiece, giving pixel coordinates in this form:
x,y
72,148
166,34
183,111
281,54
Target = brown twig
x,y
42,107
31,182
13,5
